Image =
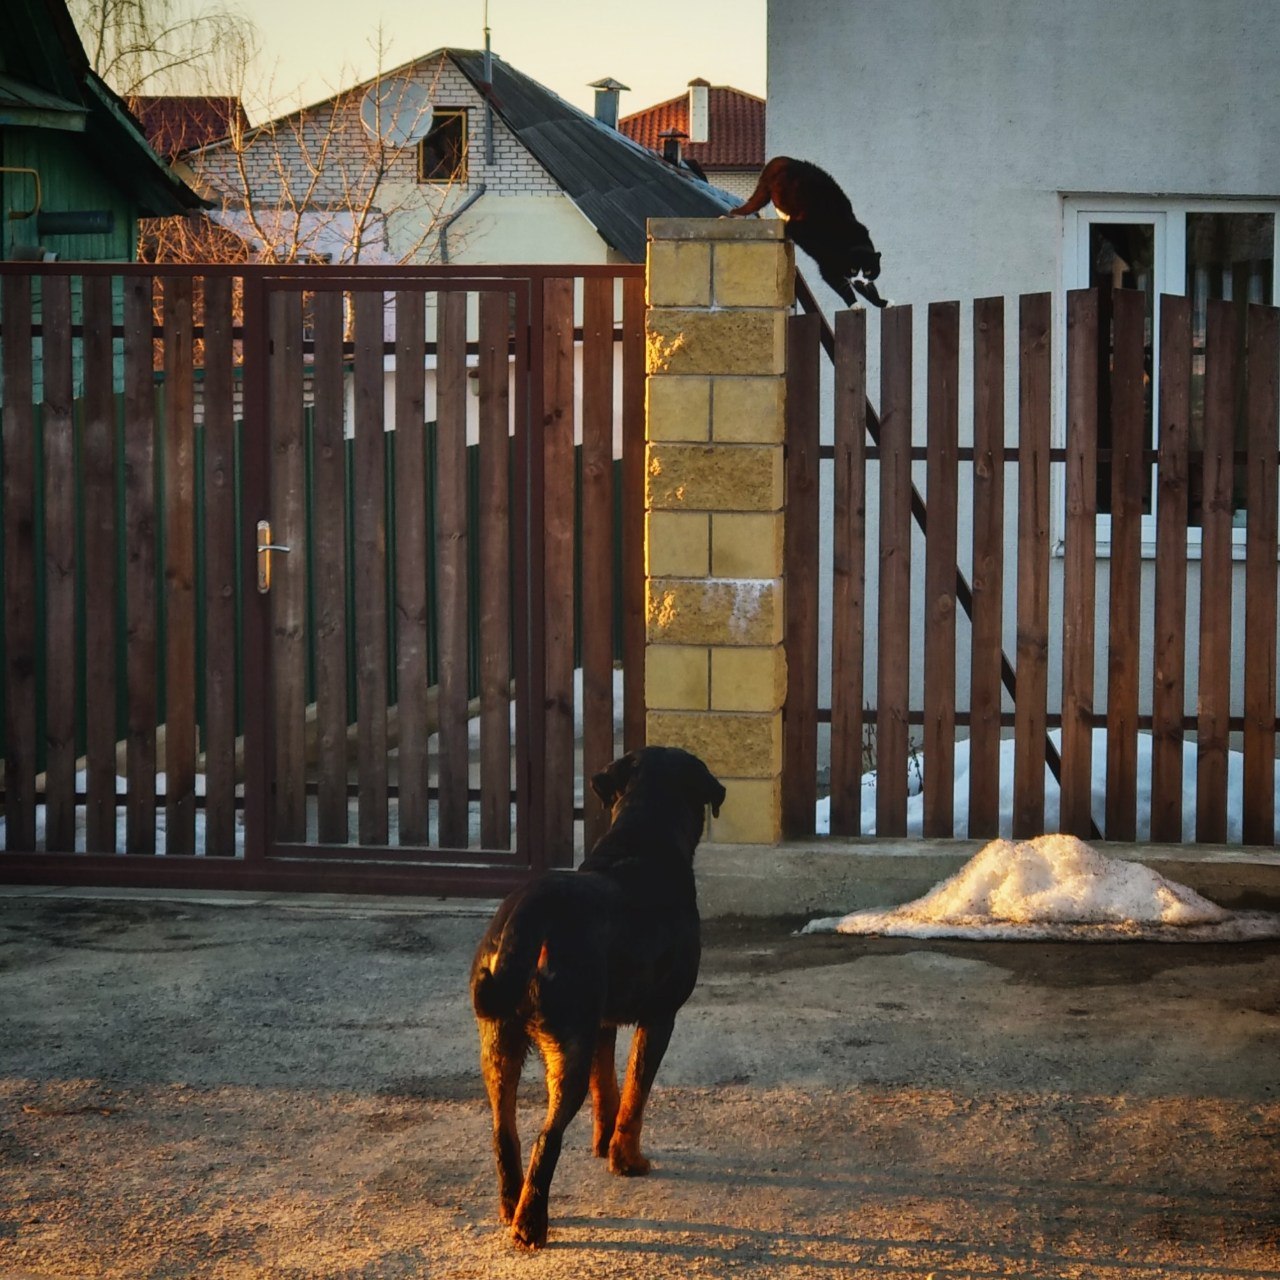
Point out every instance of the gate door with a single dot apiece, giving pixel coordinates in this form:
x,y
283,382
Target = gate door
x,y
392,714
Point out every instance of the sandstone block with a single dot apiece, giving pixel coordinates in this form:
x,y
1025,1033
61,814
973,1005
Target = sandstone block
x,y
678,408
748,679
746,545
753,274
714,611
707,478
715,342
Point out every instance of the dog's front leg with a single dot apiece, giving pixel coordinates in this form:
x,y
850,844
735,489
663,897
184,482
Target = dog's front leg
x,y
647,1047
604,1091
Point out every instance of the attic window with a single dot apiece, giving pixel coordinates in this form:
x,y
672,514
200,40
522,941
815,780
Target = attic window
x,y
442,154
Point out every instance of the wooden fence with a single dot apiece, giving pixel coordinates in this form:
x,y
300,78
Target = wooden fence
x,y
155,702
1215,466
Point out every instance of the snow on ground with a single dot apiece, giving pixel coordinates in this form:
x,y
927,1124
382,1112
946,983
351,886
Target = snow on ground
x,y
915,802
1057,886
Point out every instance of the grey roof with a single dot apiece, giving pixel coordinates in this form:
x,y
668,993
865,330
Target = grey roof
x,y
616,183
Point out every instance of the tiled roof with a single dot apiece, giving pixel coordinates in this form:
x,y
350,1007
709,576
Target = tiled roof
x,y
616,183
735,129
175,124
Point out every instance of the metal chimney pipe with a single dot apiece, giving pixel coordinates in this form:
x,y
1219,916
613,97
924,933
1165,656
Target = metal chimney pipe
x,y
607,94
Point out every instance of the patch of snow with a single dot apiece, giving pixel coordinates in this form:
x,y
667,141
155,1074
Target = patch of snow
x,y
1057,886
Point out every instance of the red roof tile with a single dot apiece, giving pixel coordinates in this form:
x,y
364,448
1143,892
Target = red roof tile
x,y
735,128
174,124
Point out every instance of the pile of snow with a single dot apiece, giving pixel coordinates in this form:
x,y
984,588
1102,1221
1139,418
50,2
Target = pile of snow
x,y
1056,886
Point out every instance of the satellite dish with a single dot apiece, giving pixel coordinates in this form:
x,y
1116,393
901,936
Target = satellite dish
x,y
396,111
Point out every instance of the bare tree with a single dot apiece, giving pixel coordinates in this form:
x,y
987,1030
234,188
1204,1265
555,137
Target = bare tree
x,y
340,181
162,46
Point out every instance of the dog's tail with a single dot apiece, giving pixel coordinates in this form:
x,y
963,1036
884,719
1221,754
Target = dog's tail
x,y
502,977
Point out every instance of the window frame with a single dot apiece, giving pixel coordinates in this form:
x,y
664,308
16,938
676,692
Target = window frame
x,y
460,175
1168,215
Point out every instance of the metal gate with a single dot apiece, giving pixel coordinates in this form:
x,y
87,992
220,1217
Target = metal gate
x,y
295,590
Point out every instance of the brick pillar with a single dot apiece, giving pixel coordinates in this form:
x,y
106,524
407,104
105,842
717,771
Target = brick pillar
x,y
719,291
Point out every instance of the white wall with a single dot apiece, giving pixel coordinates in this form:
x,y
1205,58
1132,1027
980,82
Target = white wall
x,y
955,125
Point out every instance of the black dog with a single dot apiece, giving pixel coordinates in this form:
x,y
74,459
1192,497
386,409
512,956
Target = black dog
x,y
821,221
574,955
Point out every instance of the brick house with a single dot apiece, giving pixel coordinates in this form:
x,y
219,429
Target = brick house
x,y
446,160
724,132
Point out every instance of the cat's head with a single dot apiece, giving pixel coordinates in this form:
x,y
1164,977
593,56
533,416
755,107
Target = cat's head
x,y
867,261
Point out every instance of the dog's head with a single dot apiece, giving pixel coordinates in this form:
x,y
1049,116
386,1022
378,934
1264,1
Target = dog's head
x,y
666,776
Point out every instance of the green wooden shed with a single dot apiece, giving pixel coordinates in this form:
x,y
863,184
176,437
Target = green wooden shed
x,y
76,170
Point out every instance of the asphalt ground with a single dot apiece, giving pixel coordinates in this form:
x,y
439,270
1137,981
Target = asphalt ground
x,y
289,1088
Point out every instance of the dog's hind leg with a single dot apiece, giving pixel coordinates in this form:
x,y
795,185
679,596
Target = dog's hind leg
x,y
604,1091
503,1046
647,1047
568,1078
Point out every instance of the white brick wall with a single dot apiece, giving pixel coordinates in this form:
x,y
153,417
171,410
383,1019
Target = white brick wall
x,y
323,159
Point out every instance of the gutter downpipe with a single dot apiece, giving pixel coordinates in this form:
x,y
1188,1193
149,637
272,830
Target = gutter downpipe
x,y
454,216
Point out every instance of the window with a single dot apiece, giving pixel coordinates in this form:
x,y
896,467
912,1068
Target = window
x,y
1204,250
442,154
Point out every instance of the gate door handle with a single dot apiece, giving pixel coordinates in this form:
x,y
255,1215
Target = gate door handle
x,y
265,548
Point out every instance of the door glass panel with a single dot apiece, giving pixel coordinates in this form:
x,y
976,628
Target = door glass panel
x,y
1122,255
1230,256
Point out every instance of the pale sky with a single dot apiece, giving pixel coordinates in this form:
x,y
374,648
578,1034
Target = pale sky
x,y
313,47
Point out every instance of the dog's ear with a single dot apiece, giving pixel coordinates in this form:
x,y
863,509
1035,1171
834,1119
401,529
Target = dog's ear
x,y
610,783
713,792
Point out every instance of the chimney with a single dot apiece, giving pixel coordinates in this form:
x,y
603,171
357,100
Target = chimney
x,y
671,145
607,91
699,121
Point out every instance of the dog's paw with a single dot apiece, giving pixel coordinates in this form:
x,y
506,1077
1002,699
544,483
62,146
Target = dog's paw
x,y
529,1230
628,1162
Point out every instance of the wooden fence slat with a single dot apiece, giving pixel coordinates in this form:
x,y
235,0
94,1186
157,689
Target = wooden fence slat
x,y
894,609
597,545
800,558
370,570
1128,422
940,570
1213,699
1263,405
495,572
287,598
220,583
557,431
1079,569
180,569
451,565
1031,708
988,567
632,475
411,568
329,532
141,530
99,462
61,666
1168,694
19,568
848,560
